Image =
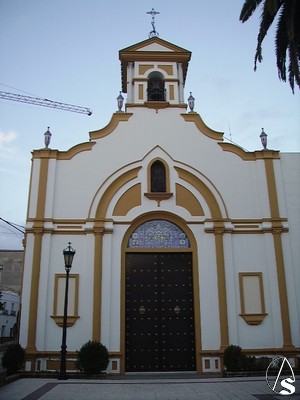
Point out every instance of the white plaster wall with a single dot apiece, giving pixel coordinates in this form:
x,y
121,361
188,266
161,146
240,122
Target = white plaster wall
x,y
209,299
115,292
35,168
238,185
288,175
254,253
50,196
49,334
78,179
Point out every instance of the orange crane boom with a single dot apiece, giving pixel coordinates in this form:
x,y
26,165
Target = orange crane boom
x,y
38,101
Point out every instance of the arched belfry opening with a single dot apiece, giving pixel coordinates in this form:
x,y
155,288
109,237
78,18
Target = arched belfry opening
x,y
156,87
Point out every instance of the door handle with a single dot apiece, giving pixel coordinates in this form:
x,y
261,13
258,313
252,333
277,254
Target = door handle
x,y
142,310
177,310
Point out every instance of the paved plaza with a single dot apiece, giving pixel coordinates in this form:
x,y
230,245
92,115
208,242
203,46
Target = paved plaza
x,y
143,388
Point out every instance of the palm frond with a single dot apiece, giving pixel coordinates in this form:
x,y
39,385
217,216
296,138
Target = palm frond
x,y
270,9
287,43
281,45
248,9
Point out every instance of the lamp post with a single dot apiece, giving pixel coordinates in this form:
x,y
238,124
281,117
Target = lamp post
x,y
68,253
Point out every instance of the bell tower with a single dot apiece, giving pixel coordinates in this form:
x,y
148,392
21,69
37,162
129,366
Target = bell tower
x,y
154,73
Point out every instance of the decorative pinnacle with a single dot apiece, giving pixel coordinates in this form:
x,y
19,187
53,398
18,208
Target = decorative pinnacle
x,y
153,13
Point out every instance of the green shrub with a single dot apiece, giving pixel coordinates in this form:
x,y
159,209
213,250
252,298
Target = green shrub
x,y
13,358
92,358
262,363
234,359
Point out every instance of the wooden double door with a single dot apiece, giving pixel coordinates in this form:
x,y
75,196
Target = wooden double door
x,y
159,333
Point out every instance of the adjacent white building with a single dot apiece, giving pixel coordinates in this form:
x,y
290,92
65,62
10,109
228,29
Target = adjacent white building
x,y
184,243
9,307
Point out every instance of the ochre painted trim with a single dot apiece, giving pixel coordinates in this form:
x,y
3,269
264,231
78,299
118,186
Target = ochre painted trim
x,y
221,280
198,121
284,307
130,199
277,230
172,53
187,200
203,189
143,68
62,155
169,105
167,68
157,105
157,40
171,92
247,155
97,295
53,357
114,122
42,190
34,292
197,316
71,319
272,190
36,258
30,189
112,190
59,320
167,170
252,318
141,92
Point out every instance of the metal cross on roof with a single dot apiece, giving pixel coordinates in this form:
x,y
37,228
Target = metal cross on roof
x,y
153,13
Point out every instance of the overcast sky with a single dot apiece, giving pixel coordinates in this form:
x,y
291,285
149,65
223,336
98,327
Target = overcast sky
x,y
67,51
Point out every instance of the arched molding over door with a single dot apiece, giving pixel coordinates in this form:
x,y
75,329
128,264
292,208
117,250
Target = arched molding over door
x,y
179,225
157,234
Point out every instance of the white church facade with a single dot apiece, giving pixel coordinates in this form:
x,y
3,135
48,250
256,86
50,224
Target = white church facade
x,y
184,243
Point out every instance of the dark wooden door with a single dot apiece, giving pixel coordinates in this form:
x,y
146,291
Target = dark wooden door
x,y
159,312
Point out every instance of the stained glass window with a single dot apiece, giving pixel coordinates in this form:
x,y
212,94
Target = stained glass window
x,y
158,177
158,234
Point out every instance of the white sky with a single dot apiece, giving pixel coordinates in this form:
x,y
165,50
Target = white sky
x,y
67,51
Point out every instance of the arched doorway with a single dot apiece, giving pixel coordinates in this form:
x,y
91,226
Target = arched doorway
x,y
159,299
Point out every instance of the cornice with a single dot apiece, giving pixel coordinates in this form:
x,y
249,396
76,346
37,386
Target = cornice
x,y
111,126
250,156
172,53
62,155
202,127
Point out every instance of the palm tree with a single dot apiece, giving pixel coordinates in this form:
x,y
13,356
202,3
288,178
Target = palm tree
x,y
287,38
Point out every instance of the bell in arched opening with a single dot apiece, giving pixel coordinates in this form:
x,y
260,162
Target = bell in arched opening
x,y
156,87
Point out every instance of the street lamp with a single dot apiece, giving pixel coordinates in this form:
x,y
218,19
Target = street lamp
x,y
68,253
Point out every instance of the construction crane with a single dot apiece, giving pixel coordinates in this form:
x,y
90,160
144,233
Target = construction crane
x,y
38,101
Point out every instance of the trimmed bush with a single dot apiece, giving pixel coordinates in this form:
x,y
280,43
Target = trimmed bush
x,y
92,358
234,359
13,358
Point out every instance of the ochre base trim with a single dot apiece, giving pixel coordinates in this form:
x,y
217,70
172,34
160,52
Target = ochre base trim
x,y
158,196
60,319
253,319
